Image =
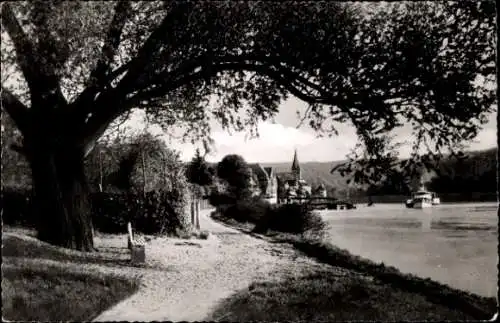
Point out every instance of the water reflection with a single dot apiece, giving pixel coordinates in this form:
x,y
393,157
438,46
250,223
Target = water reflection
x,y
454,244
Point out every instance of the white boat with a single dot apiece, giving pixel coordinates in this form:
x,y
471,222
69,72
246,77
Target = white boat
x,y
423,199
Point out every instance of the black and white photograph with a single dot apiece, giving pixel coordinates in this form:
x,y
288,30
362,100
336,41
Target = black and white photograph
x,y
249,161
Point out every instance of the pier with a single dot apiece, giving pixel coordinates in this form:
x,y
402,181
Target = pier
x,y
329,203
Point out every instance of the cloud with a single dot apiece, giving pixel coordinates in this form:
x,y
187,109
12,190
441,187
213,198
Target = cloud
x,y
277,141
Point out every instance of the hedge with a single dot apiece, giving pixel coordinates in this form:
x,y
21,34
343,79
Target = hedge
x,y
287,218
292,218
158,212
251,210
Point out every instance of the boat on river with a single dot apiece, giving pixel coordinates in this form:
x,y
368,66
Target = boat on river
x,y
423,199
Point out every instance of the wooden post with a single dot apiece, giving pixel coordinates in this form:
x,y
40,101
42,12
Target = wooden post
x,y
143,174
197,207
100,170
193,221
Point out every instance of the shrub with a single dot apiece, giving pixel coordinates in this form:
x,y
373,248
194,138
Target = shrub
x,y
16,206
292,218
158,212
217,199
251,210
162,212
111,211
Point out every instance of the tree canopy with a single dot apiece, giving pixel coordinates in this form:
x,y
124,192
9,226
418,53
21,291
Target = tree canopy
x,y
199,172
234,170
375,68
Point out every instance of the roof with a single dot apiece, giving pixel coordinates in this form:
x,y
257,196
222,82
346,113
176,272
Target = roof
x,y
259,172
295,164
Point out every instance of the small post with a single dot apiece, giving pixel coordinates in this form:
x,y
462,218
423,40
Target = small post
x,y
193,220
197,215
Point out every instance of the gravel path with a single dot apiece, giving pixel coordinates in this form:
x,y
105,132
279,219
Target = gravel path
x,y
197,274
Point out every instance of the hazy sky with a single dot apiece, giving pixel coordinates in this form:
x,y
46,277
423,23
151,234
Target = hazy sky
x,y
277,141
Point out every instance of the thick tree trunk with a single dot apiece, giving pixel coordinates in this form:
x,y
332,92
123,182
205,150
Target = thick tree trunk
x,y
61,196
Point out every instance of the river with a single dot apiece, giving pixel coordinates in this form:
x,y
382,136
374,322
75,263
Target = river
x,y
455,244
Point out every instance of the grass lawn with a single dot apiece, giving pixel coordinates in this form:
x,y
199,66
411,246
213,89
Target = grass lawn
x,y
328,296
38,295
39,292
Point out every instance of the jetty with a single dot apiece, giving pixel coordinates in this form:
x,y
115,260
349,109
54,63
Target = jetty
x,y
329,203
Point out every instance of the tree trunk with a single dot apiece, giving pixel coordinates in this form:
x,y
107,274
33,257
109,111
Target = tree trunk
x,y
61,196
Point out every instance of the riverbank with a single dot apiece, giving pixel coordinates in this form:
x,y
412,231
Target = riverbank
x,y
449,299
235,275
182,279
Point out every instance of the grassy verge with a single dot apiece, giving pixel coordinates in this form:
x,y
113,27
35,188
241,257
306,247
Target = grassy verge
x,y
35,291
326,297
37,295
470,306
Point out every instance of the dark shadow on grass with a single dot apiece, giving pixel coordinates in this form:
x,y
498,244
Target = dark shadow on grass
x,y
37,295
17,247
326,296
474,306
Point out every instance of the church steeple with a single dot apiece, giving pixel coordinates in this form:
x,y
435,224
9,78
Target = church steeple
x,y
296,166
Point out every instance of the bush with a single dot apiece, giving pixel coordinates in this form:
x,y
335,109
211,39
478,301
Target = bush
x,y
158,212
216,199
292,218
162,212
16,206
251,210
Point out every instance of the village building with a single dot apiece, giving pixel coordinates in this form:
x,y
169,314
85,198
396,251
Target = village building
x,y
282,187
291,186
263,182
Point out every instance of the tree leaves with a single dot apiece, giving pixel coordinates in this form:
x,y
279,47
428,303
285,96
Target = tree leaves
x,y
187,62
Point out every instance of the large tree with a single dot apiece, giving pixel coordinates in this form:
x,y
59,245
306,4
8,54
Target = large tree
x,y
73,67
234,170
198,171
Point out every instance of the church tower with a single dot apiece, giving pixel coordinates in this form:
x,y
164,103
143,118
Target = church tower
x,y
296,167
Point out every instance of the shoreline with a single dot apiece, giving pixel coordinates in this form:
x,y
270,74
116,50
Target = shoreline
x,y
479,307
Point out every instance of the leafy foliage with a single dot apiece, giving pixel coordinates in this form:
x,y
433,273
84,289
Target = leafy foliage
x,y
234,170
251,210
443,59
292,218
70,69
140,163
15,167
198,171
158,212
403,61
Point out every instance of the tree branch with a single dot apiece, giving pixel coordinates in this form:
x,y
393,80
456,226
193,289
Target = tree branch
x,y
99,75
16,110
25,52
102,118
159,36
54,52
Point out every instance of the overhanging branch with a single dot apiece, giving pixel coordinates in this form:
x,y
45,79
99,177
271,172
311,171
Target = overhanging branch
x,y
55,53
162,35
25,52
100,74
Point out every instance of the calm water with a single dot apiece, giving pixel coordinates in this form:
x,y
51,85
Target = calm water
x,y
455,244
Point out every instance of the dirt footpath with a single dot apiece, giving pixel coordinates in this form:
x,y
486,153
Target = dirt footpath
x,y
197,274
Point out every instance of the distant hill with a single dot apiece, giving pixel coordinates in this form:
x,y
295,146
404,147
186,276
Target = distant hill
x,y
479,166
479,170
